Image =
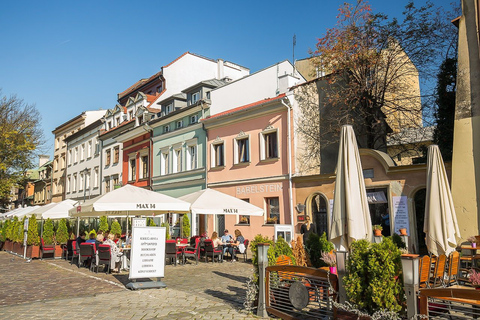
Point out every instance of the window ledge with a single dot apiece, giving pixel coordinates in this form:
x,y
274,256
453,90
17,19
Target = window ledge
x,y
241,164
269,160
242,224
268,224
218,168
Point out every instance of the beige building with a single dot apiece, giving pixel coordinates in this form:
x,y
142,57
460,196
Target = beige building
x,y
466,140
60,153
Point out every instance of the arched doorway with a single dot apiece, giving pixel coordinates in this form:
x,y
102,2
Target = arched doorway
x,y
419,200
317,209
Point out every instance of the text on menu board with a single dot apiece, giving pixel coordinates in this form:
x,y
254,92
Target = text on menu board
x,y
148,252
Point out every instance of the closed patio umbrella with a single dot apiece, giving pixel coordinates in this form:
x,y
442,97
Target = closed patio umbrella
x,y
351,215
440,225
209,201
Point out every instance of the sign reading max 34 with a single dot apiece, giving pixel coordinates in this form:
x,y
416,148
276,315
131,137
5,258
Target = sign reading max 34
x,y
145,205
225,210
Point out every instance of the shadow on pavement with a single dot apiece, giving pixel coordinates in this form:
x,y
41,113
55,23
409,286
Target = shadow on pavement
x,y
232,277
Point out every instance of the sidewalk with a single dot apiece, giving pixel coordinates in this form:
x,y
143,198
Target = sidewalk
x,y
56,289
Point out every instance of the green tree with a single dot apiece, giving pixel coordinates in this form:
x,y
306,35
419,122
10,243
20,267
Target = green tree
x,y
167,228
48,232
186,226
33,238
3,233
9,229
62,232
151,223
103,224
116,228
20,136
20,230
445,107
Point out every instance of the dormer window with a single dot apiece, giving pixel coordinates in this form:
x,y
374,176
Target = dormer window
x,y
130,114
168,108
195,97
109,125
140,120
179,124
193,119
117,121
166,129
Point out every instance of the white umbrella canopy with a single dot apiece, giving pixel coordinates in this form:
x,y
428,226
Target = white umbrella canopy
x,y
209,201
23,212
59,210
129,200
351,215
440,223
41,209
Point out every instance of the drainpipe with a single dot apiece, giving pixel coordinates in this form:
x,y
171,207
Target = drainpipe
x,y
290,191
149,129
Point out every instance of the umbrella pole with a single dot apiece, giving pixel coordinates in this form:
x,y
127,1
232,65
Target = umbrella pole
x,y
41,230
78,226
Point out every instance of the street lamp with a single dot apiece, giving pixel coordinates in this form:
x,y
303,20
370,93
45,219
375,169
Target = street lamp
x,y
410,263
342,257
262,264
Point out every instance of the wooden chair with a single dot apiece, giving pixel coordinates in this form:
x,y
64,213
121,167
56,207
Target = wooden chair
x,y
439,271
453,269
424,269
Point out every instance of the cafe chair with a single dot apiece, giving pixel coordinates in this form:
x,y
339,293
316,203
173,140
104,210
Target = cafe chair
x,y
75,253
88,254
104,257
237,251
437,278
424,266
190,252
48,249
212,251
453,269
171,251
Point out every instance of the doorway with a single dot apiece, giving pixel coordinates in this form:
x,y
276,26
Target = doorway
x,y
318,211
220,223
419,200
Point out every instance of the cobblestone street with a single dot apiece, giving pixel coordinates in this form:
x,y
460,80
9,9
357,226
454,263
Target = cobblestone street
x,y
55,289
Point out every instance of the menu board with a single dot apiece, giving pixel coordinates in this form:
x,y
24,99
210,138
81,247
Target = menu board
x,y
147,259
400,212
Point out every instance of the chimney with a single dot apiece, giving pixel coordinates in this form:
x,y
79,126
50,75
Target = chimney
x,y
42,159
220,74
286,81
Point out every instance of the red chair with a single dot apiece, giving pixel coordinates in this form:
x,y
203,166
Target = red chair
x,y
191,252
104,256
75,253
88,252
50,248
237,252
184,240
171,251
210,250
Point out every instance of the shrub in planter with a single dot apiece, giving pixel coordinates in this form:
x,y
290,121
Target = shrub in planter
x,y
186,226
103,224
281,247
116,228
151,223
167,227
61,236
48,236
33,240
373,281
315,245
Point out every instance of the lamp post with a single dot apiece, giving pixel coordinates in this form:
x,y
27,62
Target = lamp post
x,y
410,264
342,257
262,264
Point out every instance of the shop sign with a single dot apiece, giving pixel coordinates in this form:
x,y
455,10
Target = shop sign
x,y
259,188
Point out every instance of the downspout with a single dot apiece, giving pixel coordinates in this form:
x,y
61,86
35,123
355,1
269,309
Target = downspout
x,y
290,191
149,129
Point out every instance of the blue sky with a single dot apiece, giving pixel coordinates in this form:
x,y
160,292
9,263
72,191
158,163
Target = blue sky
x,y
67,57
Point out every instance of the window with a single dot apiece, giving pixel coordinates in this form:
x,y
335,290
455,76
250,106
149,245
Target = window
x,y
130,114
97,148
95,177
179,124
218,155
140,120
177,160
109,125
168,108
117,121
159,89
89,150
116,154
107,157
273,210
191,157
133,170
69,157
107,185
115,181
75,159
244,219
55,165
87,181
242,152
69,183
164,163
195,97
80,186
74,186
57,143
269,146
144,160
166,128
82,152
63,162
193,119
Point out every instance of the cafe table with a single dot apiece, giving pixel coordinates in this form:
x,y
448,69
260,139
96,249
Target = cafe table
x,y
473,257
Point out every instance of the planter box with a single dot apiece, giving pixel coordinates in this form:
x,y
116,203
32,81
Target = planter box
x,y
58,251
8,245
17,248
33,252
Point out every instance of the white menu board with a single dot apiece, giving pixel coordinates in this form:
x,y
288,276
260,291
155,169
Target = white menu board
x,y
147,259
400,212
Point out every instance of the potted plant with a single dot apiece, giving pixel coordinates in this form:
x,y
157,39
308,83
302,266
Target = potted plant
x,y
48,236
103,224
243,220
272,220
331,260
473,241
115,227
61,237
377,229
8,226
403,231
186,226
33,240
475,279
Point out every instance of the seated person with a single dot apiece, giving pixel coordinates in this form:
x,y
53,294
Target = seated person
x,y
238,240
216,241
91,238
99,240
116,253
80,239
226,239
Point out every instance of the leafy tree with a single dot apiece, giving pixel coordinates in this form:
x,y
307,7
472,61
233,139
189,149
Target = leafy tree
x,y
20,135
116,228
186,226
48,232
103,224
62,232
33,239
372,66
445,111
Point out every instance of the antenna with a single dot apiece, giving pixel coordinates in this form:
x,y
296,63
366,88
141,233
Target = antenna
x,y
294,44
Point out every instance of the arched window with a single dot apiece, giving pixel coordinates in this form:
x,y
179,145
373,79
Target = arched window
x,y
317,209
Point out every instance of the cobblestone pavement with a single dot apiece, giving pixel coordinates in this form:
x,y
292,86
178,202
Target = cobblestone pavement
x,y
55,289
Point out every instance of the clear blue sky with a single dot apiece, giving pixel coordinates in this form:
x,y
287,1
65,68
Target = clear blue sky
x,y
67,57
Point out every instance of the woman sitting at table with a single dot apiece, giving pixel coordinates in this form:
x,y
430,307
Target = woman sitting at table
x,y
239,240
116,253
216,241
